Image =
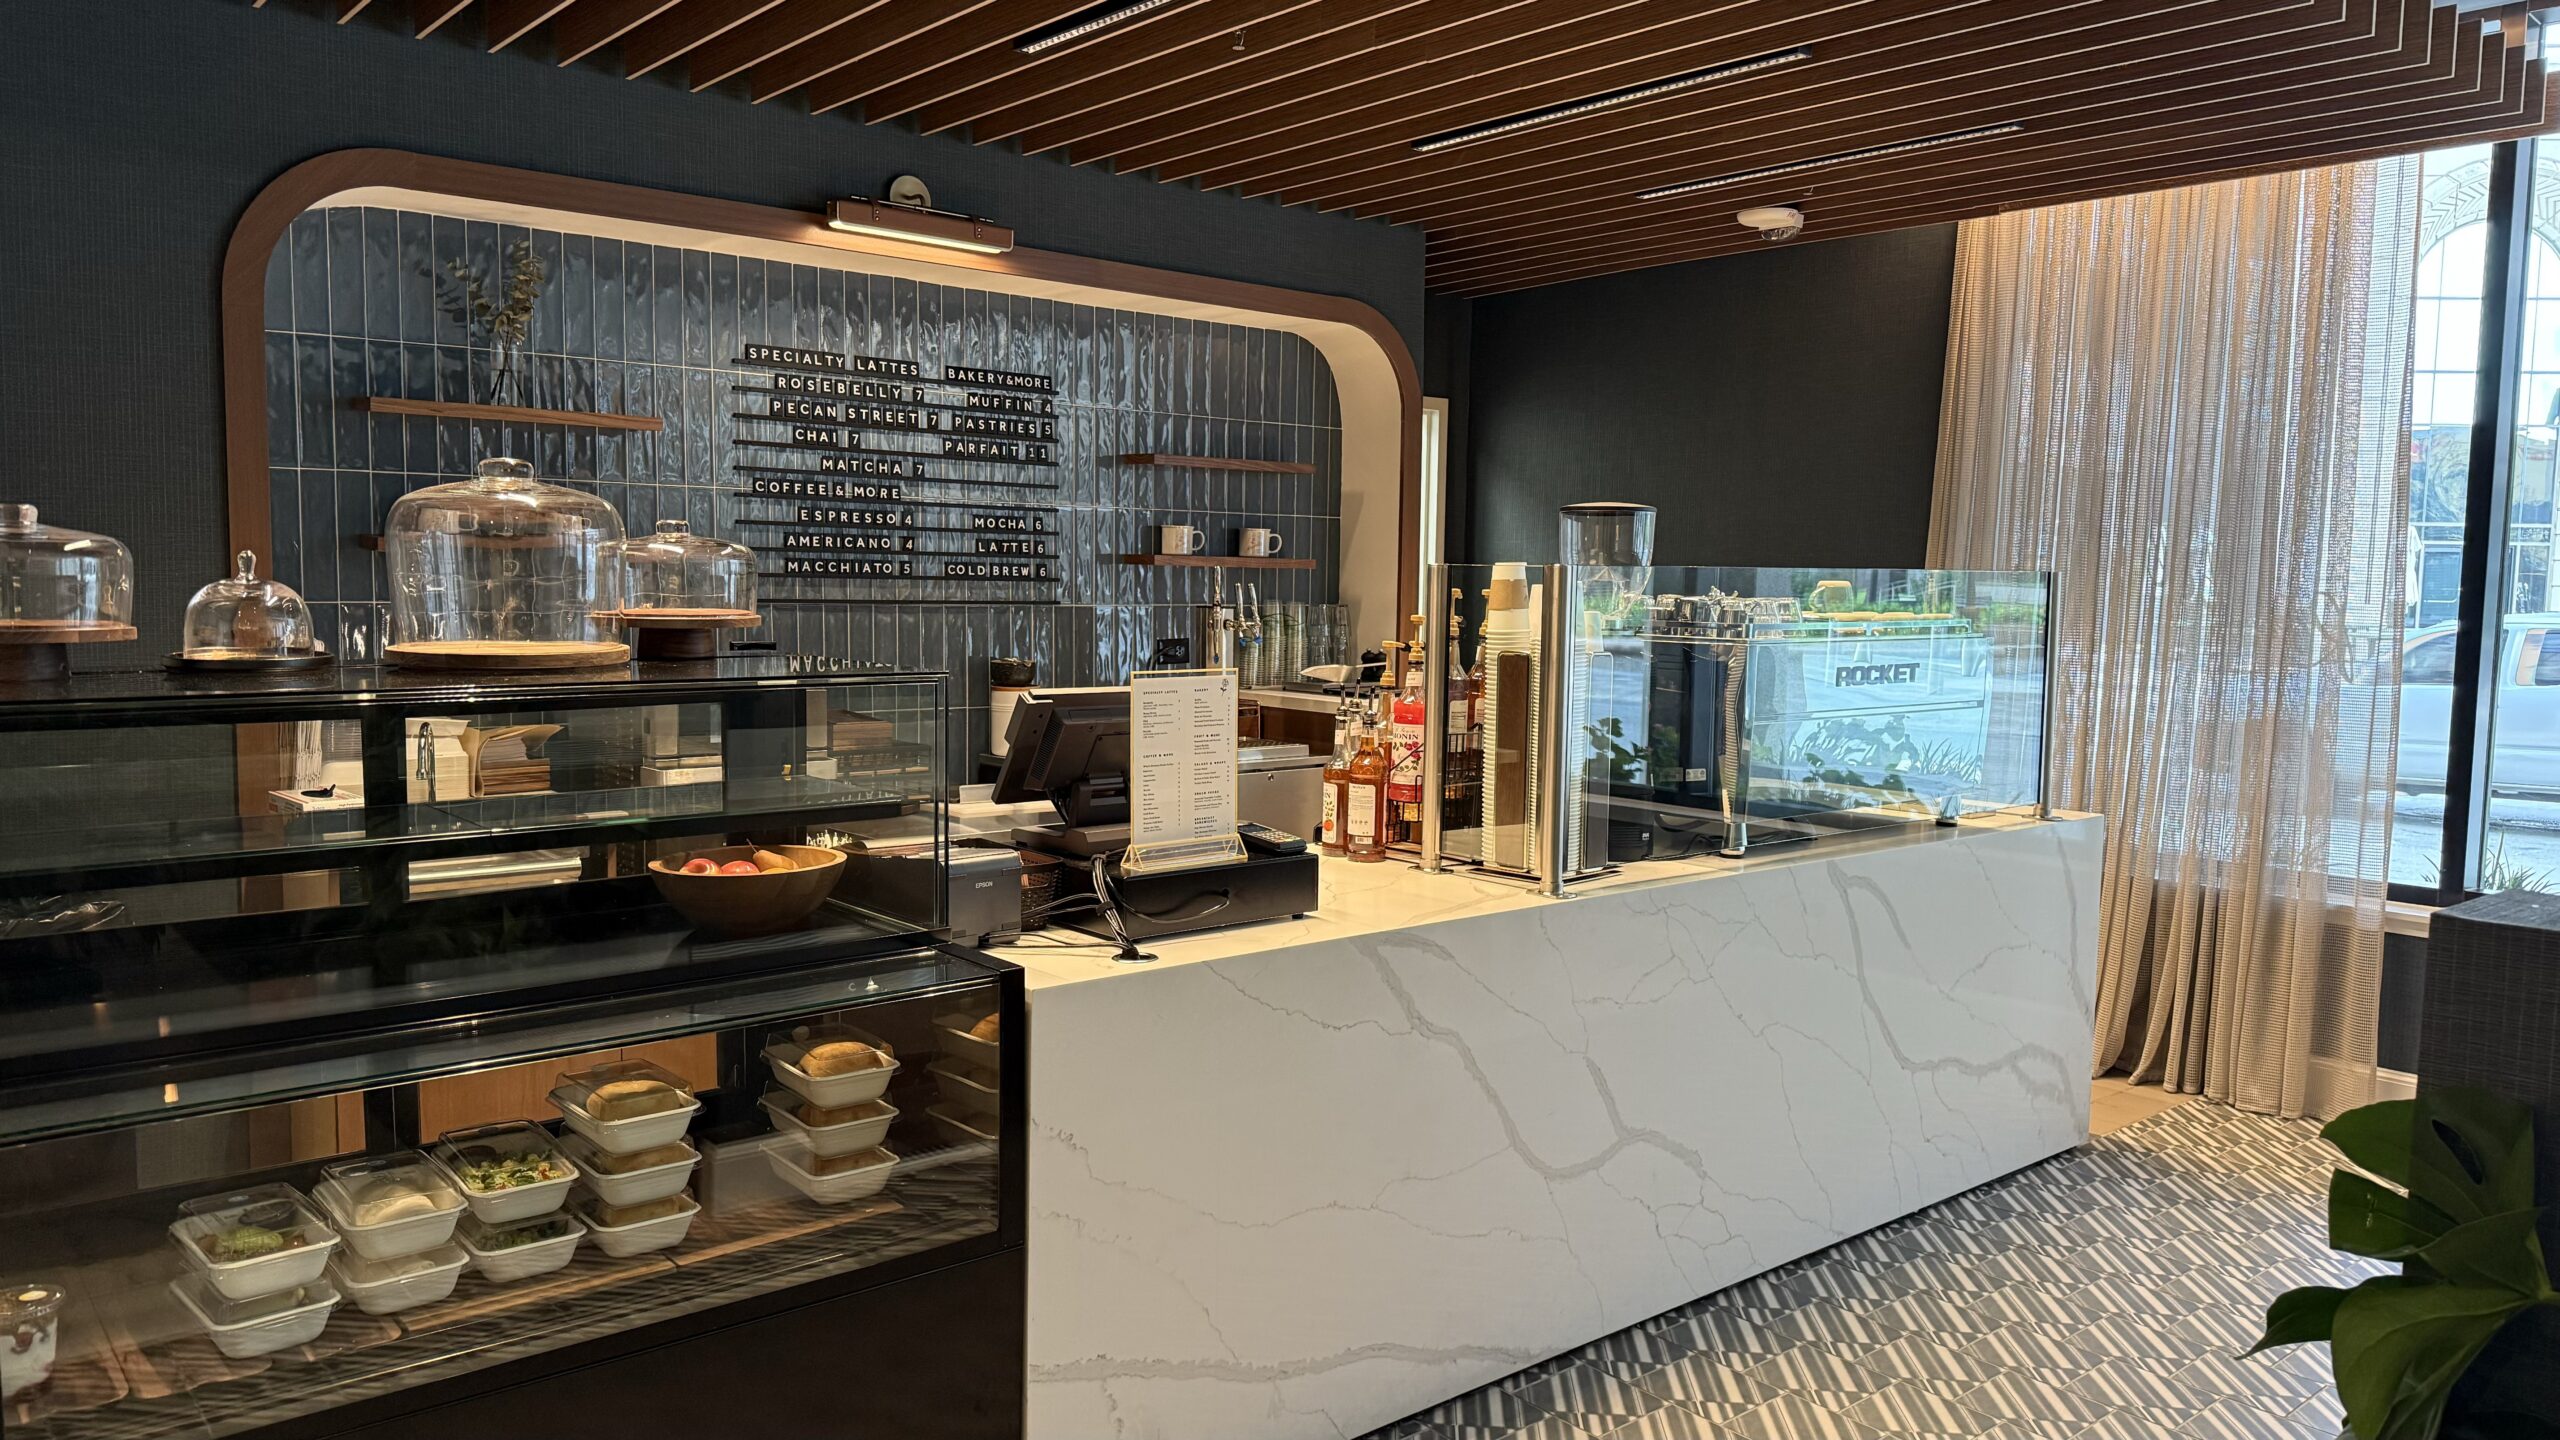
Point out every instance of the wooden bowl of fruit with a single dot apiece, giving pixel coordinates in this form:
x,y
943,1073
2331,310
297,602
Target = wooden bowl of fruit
x,y
749,889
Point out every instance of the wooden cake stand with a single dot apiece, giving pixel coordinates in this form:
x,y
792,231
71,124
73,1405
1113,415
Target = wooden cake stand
x,y
41,649
664,633
508,654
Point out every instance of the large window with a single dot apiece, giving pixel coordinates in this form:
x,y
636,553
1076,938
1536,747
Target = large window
x,y
2485,351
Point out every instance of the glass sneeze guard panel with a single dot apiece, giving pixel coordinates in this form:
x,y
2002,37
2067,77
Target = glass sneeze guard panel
x,y
1727,710
1679,712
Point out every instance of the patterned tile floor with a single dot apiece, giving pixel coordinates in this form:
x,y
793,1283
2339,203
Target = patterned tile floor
x,y
2098,1296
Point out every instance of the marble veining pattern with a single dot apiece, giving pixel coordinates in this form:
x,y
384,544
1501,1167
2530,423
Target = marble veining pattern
x,y
1304,1190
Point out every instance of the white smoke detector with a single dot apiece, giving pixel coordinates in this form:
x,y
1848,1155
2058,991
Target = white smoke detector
x,y
1774,222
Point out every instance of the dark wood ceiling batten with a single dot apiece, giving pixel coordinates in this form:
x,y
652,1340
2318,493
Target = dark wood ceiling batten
x,y
1320,103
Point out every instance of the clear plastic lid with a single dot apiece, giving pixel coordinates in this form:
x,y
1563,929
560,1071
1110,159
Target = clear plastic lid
x,y
675,570
489,1239
502,557
53,577
638,1162
838,1049
221,1314
362,1274
248,1226
386,1189
624,1090
26,1303
246,618
509,1155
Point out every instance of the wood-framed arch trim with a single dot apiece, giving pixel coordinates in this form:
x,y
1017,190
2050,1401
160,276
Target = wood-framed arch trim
x,y
1374,373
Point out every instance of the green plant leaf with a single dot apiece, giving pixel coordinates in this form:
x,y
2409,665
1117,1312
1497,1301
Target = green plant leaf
x,y
2377,1138
2501,1252
2467,1152
2375,1221
2299,1317
2477,1145
2398,1349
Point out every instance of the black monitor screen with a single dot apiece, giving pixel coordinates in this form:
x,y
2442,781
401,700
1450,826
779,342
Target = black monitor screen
x,y
1053,743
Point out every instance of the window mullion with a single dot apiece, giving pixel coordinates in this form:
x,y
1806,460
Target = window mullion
x,y
2481,611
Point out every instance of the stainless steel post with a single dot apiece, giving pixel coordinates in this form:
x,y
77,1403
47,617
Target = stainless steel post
x,y
1435,713
1555,647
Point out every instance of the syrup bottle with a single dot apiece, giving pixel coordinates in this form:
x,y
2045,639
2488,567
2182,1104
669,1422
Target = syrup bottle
x,y
1364,807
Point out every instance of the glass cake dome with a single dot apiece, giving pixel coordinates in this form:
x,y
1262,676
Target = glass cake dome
x,y
677,570
244,619
504,569
52,579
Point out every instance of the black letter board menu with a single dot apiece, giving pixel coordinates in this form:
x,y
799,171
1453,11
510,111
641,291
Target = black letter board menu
x,y
846,436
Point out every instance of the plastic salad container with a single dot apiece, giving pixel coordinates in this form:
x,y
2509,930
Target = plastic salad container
x,y
789,1052
522,1249
389,1206
958,1043
966,1087
31,1320
510,1171
659,1232
633,1178
626,1106
245,1329
865,1124
254,1242
387,1287
840,1183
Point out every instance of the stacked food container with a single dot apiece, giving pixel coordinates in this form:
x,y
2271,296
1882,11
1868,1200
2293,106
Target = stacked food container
x,y
829,1113
967,1076
254,1269
514,1178
627,1123
397,1214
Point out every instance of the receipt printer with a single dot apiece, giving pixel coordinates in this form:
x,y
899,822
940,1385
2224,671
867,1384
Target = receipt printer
x,y
982,888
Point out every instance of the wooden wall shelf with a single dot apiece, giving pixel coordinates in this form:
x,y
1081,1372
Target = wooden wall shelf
x,y
1218,462
509,414
1231,562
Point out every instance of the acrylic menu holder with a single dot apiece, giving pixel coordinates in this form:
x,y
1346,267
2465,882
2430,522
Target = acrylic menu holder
x,y
1182,771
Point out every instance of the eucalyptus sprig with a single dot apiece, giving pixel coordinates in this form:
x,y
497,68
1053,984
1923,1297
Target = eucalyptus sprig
x,y
507,323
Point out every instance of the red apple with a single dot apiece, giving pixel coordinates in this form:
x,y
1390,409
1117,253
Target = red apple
x,y
740,867
699,866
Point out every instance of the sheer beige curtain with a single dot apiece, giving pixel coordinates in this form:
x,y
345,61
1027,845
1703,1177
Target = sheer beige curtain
x,y
2191,407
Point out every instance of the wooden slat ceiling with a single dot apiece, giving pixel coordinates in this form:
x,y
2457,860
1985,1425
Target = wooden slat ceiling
x,y
1322,102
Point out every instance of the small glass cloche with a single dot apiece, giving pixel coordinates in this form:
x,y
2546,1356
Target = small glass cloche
x,y
680,589
57,588
246,621
504,571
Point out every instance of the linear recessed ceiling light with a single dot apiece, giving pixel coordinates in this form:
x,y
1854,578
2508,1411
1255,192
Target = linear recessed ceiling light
x,y
952,231
1085,23
1953,137
1628,96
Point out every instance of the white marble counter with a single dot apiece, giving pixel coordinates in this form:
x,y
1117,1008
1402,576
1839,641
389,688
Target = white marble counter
x,y
1301,1179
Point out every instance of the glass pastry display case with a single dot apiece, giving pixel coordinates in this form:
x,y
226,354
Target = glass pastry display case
x,y
1616,714
357,1075
503,571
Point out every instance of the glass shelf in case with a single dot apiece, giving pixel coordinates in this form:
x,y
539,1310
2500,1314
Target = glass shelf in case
x,y
338,849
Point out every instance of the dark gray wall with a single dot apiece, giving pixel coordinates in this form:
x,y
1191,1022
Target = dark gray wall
x,y
1778,407
136,131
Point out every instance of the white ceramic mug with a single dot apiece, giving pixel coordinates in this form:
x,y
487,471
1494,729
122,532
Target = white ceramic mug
x,y
1258,542
1180,540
